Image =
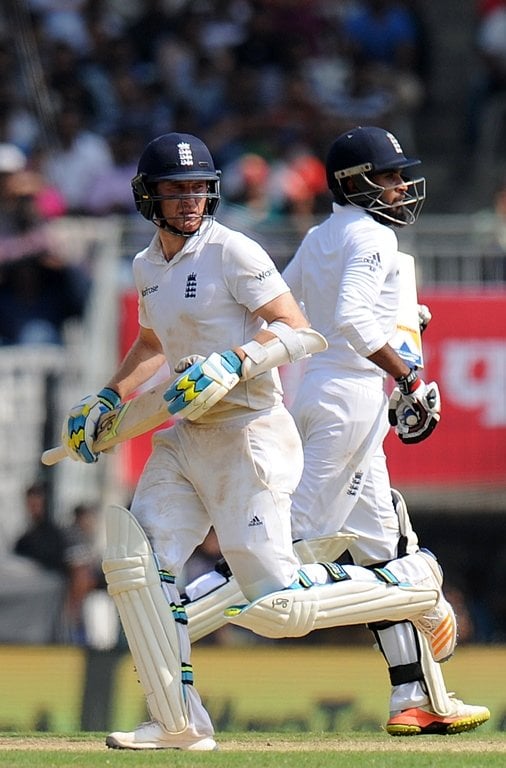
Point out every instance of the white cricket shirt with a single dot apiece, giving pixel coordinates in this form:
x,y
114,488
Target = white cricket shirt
x,y
346,275
203,300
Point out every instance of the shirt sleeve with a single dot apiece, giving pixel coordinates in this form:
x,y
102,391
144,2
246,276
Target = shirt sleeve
x,y
142,316
251,276
366,269
293,277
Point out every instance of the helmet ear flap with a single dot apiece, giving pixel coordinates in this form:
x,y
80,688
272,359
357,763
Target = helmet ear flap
x,y
340,190
143,197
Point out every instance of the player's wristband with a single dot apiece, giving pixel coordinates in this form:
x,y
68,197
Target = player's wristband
x,y
408,383
109,398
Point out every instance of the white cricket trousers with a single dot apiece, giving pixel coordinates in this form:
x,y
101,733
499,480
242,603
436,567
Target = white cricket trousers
x,y
345,485
237,475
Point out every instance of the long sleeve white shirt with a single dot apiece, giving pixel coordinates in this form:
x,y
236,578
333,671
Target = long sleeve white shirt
x,y
346,275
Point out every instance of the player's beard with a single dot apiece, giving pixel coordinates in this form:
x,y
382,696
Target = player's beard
x,y
401,213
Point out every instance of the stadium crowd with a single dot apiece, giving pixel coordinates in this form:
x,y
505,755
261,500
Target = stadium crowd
x,y
91,82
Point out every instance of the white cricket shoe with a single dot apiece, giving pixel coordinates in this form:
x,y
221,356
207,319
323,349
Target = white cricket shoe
x,y
439,625
152,735
418,721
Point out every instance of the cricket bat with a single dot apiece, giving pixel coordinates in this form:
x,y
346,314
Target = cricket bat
x,y
132,418
407,340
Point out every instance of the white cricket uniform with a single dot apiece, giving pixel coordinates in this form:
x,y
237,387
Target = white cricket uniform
x,y
345,273
236,467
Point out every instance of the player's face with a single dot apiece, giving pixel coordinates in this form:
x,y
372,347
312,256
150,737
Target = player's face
x,y
185,205
396,189
395,186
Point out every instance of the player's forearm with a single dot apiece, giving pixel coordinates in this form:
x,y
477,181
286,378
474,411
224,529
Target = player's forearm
x,y
388,360
141,362
283,309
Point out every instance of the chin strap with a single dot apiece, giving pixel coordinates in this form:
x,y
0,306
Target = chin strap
x,y
163,224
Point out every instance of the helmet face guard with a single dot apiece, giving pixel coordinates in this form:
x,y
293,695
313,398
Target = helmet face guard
x,y
365,152
368,197
174,157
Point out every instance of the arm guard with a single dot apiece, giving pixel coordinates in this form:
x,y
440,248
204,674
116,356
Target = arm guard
x,y
291,345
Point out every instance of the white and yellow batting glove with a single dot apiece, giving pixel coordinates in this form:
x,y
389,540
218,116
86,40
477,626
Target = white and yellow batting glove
x,y
202,384
79,428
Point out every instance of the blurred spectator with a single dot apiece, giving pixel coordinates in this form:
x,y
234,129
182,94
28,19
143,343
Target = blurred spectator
x,y
18,122
206,98
32,576
65,80
247,192
302,185
154,22
39,292
42,541
385,33
141,106
111,191
488,82
382,39
62,21
90,617
489,227
78,156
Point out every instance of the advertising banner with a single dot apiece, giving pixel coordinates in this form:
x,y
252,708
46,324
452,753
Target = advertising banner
x,y
465,352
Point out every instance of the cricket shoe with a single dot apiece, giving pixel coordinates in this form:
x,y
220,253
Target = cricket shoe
x,y
439,625
423,720
152,735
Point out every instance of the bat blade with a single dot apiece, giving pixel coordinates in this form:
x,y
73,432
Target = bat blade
x,y
407,340
132,418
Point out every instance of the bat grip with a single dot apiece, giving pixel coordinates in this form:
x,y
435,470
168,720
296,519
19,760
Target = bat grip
x,y
53,456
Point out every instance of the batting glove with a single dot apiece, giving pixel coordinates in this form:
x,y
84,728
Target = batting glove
x,y
424,317
80,426
187,362
414,408
203,384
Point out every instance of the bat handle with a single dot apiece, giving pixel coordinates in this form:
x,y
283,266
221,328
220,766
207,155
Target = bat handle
x,y
53,456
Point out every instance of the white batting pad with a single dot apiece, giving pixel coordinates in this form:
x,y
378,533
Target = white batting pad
x,y
433,678
134,584
206,613
296,612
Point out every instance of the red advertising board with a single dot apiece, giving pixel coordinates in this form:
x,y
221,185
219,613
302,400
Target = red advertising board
x,y
134,453
465,352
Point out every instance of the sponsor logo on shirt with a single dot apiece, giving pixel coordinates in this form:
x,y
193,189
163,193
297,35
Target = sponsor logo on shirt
x,y
265,274
373,262
149,289
191,286
354,486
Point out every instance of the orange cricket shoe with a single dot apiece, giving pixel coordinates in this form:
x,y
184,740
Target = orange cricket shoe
x,y
423,720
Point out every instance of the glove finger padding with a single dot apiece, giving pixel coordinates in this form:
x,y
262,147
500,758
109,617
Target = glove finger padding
x,y
187,362
415,416
80,426
424,317
203,384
